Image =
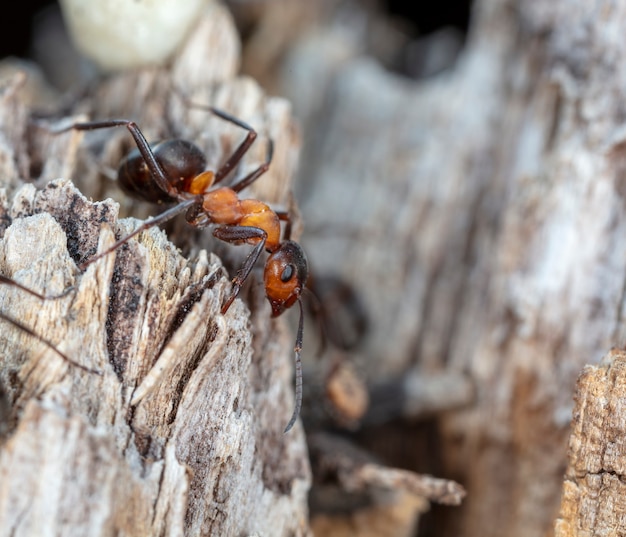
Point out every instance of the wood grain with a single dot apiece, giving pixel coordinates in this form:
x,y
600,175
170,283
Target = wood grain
x,y
181,433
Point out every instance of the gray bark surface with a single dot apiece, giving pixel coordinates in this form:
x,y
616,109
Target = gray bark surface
x,y
181,432
480,216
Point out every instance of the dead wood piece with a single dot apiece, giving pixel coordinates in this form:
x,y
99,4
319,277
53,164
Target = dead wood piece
x,y
190,408
193,427
346,394
356,471
432,488
396,519
354,493
480,216
593,490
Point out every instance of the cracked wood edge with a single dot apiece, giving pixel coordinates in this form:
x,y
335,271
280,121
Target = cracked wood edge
x,y
593,500
203,451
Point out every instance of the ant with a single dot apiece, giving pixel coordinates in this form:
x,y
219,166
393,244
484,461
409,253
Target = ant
x,y
175,171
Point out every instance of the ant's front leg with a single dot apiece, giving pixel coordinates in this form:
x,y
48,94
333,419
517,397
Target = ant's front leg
x,y
238,234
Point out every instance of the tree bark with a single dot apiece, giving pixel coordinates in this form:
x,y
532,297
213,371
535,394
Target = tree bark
x,y
479,215
593,491
180,430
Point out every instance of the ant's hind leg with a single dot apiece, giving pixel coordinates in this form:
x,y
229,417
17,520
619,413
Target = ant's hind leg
x,y
254,175
47,343
238,154
140,140
241,150
10,281
20,326
165,216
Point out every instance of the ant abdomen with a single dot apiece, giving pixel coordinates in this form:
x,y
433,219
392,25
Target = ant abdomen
x,y
181,160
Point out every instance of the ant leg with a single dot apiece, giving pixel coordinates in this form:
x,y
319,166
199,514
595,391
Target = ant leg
x,y
234,159
285,217
238,154
254,175
140,140
150,222
9,281
236,234
48,343
297,350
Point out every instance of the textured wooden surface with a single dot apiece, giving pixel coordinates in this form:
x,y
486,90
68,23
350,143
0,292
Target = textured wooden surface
x,y
480,216
181,434
593,492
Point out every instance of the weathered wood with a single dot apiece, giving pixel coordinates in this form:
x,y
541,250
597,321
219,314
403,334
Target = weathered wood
x,y
181,434
480,216
356,494
593,491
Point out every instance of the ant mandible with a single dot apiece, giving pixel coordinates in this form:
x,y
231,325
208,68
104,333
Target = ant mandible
x,y
175,171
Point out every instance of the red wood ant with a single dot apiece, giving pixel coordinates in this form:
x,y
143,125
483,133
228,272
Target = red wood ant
x,y
175,171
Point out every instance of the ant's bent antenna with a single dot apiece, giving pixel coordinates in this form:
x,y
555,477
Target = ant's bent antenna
x,y
297,349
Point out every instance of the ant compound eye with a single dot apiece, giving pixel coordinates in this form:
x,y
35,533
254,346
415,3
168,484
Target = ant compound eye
x,y
285,276
287,273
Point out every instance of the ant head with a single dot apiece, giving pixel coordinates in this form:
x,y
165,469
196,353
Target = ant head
x,y
286,271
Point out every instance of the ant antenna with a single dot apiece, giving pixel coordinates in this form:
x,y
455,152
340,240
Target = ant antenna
x,y
297,349
317,308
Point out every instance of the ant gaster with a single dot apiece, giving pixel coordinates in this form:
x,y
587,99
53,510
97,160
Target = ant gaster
x,y
175,171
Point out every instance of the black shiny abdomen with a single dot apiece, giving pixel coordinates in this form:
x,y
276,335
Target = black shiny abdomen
x,y
181,161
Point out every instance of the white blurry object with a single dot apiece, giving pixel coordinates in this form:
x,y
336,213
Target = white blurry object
x,y
119,34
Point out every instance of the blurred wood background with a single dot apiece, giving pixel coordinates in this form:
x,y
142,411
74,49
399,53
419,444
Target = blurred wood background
x,y
461,205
